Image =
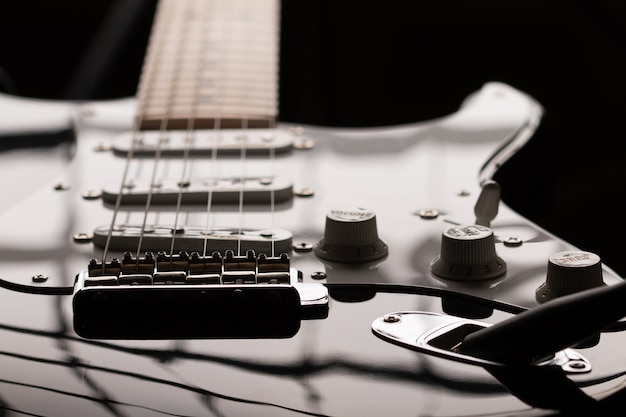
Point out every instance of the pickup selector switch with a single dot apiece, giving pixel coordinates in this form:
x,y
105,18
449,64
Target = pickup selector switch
x,y
468,253
351,236
569,272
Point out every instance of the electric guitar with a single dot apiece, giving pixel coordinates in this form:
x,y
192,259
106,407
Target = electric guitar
x,y
183,253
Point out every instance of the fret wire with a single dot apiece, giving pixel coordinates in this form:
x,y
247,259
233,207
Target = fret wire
x,y
244,58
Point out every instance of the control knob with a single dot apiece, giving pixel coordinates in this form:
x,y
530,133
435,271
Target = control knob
x,y
468,253
351,236
569,272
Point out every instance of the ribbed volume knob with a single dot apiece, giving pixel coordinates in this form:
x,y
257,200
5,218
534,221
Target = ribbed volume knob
x,y
570,272
351,236
468,253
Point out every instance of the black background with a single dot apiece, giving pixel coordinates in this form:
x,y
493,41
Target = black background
x,y
374,63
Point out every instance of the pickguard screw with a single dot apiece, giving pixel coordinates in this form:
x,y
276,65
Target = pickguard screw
x,y
391,318
319,275
61,187
463,193
40,278
303,247
512,242
428,214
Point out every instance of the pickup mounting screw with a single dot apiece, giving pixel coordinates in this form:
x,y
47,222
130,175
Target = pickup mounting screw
x,y
92,195
82,238
305,192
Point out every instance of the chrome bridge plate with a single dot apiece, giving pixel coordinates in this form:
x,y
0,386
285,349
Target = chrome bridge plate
x,y
440,335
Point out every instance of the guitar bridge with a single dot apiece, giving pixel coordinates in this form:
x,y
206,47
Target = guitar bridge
x,y
184,296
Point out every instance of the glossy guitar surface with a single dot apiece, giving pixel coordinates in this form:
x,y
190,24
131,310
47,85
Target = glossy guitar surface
x,y
283,189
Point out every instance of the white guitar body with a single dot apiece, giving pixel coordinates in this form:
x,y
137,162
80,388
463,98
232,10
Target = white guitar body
x,y
333,366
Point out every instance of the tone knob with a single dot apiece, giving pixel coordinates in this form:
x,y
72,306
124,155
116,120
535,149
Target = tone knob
x,y
468,253
351,236
570,272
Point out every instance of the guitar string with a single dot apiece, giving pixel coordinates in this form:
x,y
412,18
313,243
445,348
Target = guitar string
x,y
272,125
163,135
244,127
136,138
158,152
216,137
190,134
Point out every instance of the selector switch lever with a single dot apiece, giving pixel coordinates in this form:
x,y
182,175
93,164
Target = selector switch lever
x,y
468,253
486,208
351,236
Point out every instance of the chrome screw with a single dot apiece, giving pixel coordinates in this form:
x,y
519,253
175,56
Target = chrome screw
x,y
82,238
319,275
513,241
391,318
61,187
304,192
428,214
92,195
40,278
303,247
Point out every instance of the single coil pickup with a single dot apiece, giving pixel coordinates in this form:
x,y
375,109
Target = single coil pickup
x,y
251,190
204,143
193,239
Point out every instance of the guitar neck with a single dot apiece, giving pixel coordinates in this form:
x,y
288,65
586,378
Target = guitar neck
x,y
211,64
